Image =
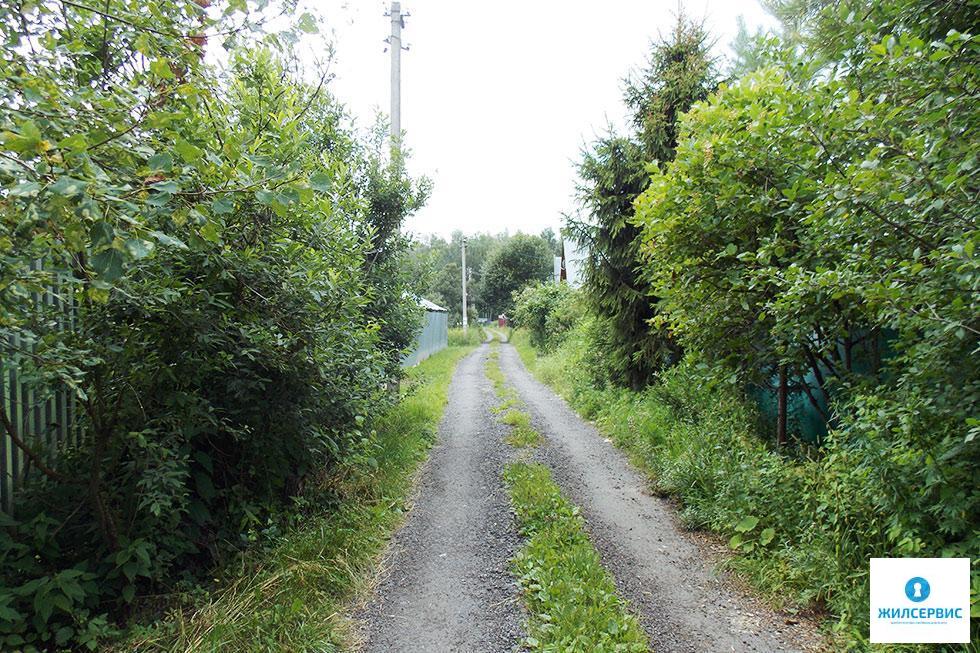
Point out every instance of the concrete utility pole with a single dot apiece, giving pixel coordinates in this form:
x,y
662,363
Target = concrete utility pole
x,y
395,42
464,285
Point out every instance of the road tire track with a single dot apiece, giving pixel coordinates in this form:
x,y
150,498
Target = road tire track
x,y
446,584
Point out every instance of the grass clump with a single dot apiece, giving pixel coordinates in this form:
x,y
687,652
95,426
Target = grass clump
x,y
570,599
522,434
496,376
290,596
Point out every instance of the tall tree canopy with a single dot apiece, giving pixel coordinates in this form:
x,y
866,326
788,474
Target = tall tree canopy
x,y
518,262
613,174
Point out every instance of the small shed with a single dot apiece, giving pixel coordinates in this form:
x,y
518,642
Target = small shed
x,y
434,335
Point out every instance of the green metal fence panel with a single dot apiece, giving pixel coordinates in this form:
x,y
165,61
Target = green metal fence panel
x,y
433,337
41,417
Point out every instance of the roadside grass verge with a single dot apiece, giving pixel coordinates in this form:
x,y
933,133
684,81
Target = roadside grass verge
x,y
292,595
472,337
570,599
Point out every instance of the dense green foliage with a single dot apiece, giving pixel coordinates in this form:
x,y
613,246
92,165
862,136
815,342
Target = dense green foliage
x,y
547,311
444,259
474,335
233,257
571,600
519,261
816,230
287,595
613,173
806,223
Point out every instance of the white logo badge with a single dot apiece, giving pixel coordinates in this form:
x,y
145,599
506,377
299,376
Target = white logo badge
x,y
920,600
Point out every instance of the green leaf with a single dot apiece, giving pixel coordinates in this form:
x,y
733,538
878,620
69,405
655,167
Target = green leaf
x,y
101,234
205,487
161,162
765,537
63,634
211,232
108,264
169,186
28,140
168,241
74,143
222,205
307,23
161,68
139,248
747,524
188,152
25,189
321,182
67,187
129,593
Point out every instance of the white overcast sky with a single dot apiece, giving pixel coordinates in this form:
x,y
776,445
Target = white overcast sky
x,y
499,97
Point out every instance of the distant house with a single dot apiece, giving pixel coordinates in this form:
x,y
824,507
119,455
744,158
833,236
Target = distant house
x,y
571,264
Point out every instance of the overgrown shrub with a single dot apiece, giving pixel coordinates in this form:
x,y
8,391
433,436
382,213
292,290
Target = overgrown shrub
x,y
808,225
474,335
547,310
227,244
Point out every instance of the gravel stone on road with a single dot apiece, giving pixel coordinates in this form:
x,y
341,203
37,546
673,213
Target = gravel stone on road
x,y
446,584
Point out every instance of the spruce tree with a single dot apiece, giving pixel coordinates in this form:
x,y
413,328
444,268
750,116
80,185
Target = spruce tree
x,y
679,72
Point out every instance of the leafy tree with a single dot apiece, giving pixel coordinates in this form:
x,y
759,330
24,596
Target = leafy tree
x,y
442,261
391,197
613,174
520,261
748,49
227,297
812,222
553,241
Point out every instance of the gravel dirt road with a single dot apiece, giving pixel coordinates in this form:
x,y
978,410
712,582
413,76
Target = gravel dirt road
x,y
445,584
683,604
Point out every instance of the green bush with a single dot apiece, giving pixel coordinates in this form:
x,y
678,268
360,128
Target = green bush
x,y
288,595
547,311
233,258
473,336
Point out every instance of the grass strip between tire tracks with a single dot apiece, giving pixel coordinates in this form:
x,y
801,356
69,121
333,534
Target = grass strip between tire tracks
x,y
570,598
522,434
